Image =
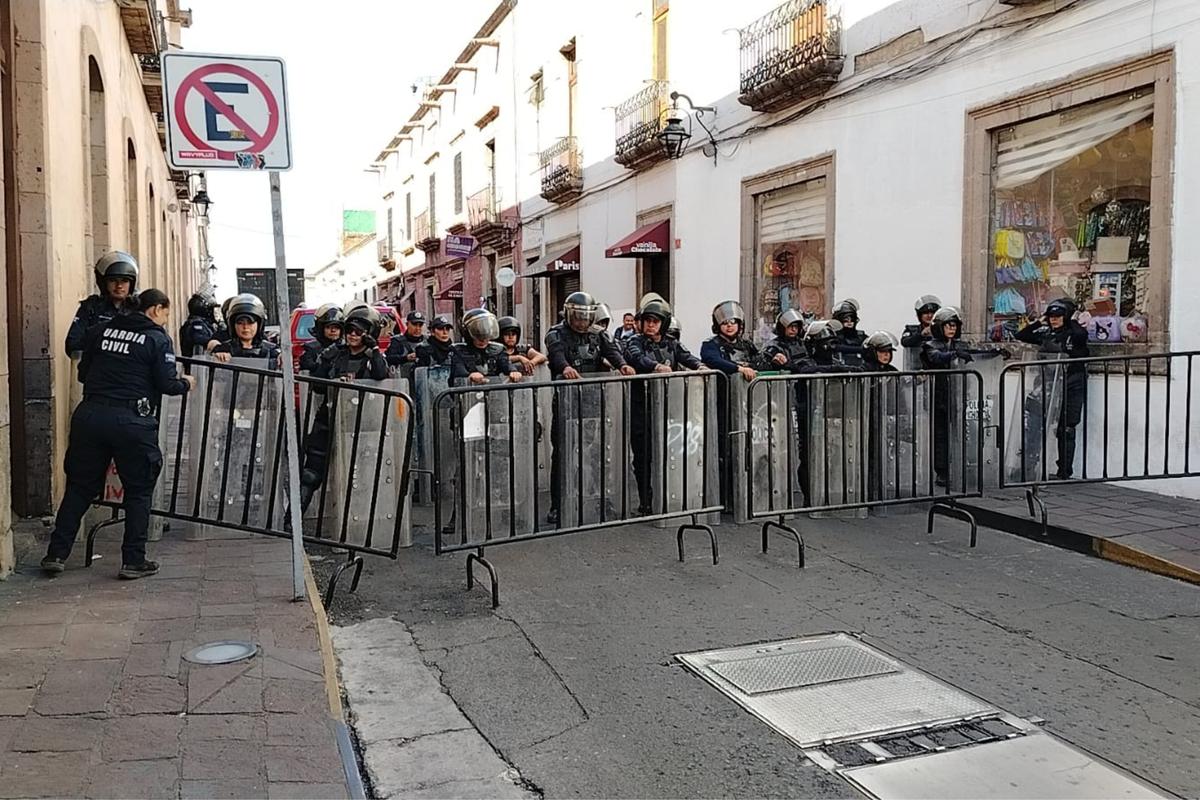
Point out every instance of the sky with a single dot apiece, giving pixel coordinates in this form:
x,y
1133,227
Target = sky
x,y
349,68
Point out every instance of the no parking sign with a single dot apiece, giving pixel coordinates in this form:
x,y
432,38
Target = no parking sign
x,y
226,112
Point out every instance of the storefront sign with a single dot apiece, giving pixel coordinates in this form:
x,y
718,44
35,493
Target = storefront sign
x,y
459,246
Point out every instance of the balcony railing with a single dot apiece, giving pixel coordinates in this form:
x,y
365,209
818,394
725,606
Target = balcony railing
x,y
791,54
383,249
562,171
424,235
639,119
483,217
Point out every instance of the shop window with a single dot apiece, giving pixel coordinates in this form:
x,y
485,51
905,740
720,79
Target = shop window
x,y
1070,217
790,254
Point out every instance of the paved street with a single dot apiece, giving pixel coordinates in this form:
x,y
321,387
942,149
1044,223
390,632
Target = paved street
x,y
573,681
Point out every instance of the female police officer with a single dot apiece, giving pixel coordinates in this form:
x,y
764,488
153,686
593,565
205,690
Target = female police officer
x,y
127,366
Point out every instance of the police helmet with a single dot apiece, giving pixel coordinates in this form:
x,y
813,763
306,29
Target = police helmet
x,y
117,264
365,319
479,323
442,321
673,328
247,305
880,341
201,305
603,319
820,335
509,325
926,304
650,297
786,319
580,307
944,315
659,310
846,310
1062,307
730,310
328,314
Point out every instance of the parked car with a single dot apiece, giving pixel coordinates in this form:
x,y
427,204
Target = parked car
x,y
302,328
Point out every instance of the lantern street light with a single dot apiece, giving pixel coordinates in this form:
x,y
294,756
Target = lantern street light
x,y
674,136
201,203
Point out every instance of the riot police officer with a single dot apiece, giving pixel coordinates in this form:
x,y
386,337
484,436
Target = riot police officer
x,y
435,351
916,335
787,350
247,323
402,349
480,357
327,330
127,365
879,351
943,351
200,332
522,354
575,350
651,351
849,342
821,341
1060,333
116,278
729,350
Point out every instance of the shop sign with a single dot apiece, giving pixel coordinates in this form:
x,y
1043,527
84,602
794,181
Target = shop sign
x,y
459,246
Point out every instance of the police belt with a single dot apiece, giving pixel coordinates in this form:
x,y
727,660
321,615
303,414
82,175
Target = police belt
x,y
113,402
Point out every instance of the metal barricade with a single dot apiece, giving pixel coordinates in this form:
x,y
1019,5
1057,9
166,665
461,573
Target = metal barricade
x,y
847,442
427,383
1098,420
488,486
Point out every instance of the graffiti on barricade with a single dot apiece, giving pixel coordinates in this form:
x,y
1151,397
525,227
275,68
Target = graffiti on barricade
x,y
695,436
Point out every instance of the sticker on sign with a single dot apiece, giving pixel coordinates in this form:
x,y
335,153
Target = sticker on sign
x,y
226,112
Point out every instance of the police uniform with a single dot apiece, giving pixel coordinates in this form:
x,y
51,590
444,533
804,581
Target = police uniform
x,y
1071,340
260,348
849,346
94,311
728,356
434,353
939,354
195,334
127,366
401,347
490,361
337,361
792,348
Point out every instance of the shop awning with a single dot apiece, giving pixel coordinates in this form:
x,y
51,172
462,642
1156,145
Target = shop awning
x,y
452,292
648,240
550,266
407,297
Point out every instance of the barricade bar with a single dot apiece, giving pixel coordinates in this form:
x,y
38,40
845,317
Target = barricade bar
x,y
624,449
1098,419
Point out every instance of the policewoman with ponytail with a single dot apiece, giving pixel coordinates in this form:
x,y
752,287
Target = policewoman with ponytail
x,y
126,368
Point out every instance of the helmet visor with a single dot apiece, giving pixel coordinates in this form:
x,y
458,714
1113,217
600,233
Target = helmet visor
x,y
484,326
729,311
580,314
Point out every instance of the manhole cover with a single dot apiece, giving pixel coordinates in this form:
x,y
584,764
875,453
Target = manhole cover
x,y
806,668
224,652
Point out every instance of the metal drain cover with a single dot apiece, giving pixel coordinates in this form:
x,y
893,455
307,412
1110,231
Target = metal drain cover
x,y
804,668
223,652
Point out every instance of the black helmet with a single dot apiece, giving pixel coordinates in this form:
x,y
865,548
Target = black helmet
x,y
730,310
116,264
508,324
580,307
1062,307
658,309
328,314
366,319
786,319
881,340
926,304
479,323
441,321
945,314
820,335
847,309
246,305
201,305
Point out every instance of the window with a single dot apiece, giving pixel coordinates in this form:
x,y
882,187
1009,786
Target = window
x,y
391,237
537,92
660,8
568,53
458,184
433,204
408,231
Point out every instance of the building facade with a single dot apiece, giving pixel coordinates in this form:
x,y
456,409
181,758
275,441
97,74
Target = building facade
x,y
84,172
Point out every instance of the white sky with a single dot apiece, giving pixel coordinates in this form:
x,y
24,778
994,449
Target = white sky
x,y
349,68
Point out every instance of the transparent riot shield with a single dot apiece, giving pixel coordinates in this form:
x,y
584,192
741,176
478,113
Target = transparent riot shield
x,y
683,431
235,461
1031,436
774,443
543,401
734,464
591,448
428,383
837,467
912,359
366,463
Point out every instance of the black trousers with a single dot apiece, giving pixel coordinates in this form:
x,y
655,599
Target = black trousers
x,y
1074,399
639,441
316,455
99,436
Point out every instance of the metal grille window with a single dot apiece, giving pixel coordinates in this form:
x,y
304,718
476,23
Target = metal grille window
x,y
458,184
791,229
407,216
433,203
390,235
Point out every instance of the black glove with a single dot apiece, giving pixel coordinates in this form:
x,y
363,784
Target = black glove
x,y
966,357
369,342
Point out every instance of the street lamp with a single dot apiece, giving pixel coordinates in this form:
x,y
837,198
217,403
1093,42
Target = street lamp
x,y
674,137
201,203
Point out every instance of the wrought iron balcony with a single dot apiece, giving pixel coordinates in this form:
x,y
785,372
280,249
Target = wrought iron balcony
x,y
424,235
143,26
483,217
639,119
383,249
791,54
562,171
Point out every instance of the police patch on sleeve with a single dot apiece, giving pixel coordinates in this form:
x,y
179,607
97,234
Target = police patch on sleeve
x,y
170,358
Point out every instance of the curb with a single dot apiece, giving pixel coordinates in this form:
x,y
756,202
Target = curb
x,y
1130,556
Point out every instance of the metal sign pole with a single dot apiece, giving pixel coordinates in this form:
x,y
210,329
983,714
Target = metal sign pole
x,y
291,436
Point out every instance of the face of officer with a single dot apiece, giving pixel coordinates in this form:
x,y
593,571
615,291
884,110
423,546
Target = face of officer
x,y
415,329
884,357
848,322
627,322
652,327
580,325
441,334
1056,322
332,332
354,339
118,288
509,339
926,318
729,329
792,330
245,328
159,315
950,330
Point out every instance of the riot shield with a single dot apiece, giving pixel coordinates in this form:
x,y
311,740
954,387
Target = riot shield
x,y
543,408
683,451
735,439
912,359
836,456
428,383
234,463
366,463
1031,436
774,443
591,448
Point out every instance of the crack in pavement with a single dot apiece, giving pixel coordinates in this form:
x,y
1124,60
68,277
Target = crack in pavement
x,y
537,651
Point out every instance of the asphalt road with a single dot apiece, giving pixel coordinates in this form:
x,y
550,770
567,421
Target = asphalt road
x,y
573,680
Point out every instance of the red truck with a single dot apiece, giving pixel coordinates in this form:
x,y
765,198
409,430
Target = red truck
x,y
302,328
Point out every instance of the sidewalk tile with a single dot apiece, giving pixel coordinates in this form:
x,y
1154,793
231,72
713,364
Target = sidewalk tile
x,y
294,664
299,730
43,774
34,613
309,764
78,687
243,695
31,637
175,571
168,605
224,727
57,734
163,630
8,729
158,584
15,702
97,640
222,761
135,780
149,695
109,609
212,594
24,669
221,789
141,738
307,791
227,609
288,696
154,659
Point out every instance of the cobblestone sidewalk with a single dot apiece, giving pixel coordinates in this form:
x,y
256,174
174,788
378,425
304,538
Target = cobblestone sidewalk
x,y
97,701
